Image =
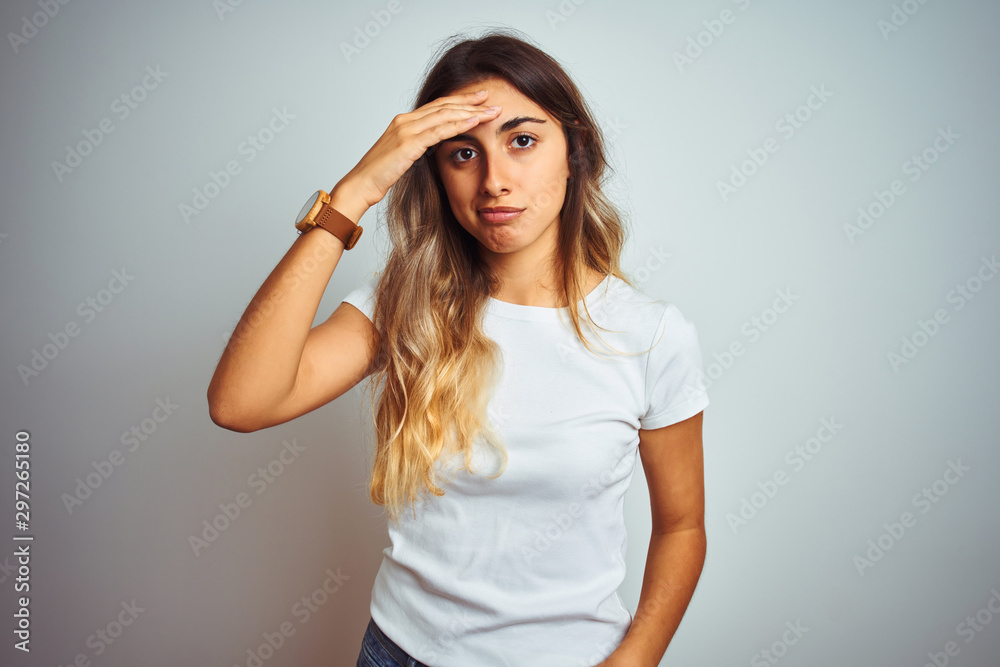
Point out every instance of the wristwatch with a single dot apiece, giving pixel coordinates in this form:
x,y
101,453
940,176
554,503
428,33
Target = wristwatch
x,y
318,213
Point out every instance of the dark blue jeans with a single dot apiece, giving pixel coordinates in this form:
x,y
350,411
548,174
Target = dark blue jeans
x,y
377,650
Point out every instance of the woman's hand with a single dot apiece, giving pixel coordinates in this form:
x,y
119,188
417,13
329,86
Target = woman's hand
x,y
408,137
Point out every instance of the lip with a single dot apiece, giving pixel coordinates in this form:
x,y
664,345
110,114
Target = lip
x,y
499,213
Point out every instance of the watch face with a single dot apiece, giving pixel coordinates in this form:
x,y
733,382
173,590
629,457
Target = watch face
x,y
308,207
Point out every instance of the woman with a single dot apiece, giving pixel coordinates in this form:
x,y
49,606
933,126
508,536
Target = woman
x,y
505,441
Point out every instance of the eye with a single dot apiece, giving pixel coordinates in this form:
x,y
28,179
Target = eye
x,y
524,136
520,147
454,154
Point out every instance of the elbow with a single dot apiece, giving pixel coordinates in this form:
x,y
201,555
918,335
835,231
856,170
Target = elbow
x,y
224,415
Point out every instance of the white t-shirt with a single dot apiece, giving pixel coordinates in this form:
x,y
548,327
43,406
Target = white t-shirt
x,y
523,570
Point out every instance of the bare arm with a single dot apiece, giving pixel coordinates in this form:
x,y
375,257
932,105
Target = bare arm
x,y
275,367
672,459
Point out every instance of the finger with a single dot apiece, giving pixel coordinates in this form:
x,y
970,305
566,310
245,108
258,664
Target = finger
x,y
464,99
477,95
447,119
427,109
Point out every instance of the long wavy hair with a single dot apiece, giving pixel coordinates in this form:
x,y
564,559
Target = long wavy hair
x,y
437,367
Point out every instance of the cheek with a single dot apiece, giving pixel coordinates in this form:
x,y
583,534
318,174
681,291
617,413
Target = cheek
x,y
452,188
548,186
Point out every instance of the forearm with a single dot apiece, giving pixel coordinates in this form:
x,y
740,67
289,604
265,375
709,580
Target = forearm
x,y
673,567
260,363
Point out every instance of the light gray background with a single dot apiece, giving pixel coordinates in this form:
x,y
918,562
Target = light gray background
x,y
675,132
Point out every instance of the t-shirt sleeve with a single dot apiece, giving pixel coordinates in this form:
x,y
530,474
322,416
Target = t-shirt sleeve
x,y
362,297
675,386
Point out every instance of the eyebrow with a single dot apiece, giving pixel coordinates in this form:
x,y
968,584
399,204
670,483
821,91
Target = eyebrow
x,y
506,127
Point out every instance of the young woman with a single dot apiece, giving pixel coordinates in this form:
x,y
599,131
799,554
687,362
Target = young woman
x,y
505,438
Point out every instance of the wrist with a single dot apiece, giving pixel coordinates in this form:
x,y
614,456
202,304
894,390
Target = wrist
x,y
346,200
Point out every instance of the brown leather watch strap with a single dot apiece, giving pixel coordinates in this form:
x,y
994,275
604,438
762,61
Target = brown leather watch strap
x,y
339,225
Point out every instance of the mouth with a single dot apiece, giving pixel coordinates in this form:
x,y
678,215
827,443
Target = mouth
x,y
499,213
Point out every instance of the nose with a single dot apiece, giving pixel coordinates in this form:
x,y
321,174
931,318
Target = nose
x,y
496,180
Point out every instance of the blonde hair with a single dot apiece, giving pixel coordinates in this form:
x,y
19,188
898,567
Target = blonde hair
x,y
435,364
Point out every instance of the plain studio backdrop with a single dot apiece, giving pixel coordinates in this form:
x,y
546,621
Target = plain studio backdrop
x,y
811,183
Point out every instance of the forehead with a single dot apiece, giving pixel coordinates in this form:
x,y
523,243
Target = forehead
x,y
503,94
